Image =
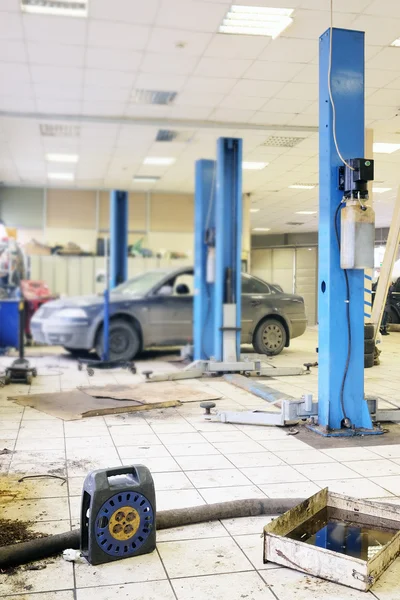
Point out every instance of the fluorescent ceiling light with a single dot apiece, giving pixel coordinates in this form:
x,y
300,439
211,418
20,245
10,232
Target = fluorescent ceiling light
x,y
383,148
396,43
306,212
145,179
380,190
254,166
61,176
254,210
256,20
62,158
261,229
302,186
65,8
158,160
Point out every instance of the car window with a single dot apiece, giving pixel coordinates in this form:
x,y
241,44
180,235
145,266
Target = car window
x,y
250,285
141,284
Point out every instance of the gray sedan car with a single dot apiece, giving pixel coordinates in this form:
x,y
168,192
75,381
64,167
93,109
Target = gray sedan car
x,y
155,309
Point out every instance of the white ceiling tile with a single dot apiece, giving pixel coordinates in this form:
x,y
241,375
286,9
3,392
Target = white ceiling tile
x,y
170,83
137,110
394,85
190,14
293,105
309,24
11,27
290,50
242,102
101,107
163,63
59,30
10,6
60,55
12,51
17,104
213,67
198,99
13,73
104,92
378,31
53,75
254,87
204,84
125,11
236,46
379,78
112,58
308,74
355,6
387,59
110,78
386,8
59,91
178,41
304,91
117,35
58,106
385,97
271,118
380,112
189,112
231,115
273,71
305,121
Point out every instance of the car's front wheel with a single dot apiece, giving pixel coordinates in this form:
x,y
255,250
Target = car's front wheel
x,y
124,340
270,337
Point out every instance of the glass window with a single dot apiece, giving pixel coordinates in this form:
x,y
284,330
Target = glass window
x,y
251,285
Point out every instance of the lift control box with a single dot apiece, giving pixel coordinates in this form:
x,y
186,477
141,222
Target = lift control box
x,y
353,179
118,514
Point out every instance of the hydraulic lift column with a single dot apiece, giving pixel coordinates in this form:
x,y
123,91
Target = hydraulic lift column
x,y
341,404
204,253
118,237
228,250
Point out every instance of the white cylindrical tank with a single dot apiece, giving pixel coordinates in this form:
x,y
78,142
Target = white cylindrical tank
x,y
357,236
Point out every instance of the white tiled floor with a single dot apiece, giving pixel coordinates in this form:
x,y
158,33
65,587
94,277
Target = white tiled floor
x,y
193,462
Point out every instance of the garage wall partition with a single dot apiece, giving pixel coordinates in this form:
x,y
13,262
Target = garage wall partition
x,y
295,269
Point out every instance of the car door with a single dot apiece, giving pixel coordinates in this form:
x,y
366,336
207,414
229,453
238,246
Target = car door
x,y
254,294
171,315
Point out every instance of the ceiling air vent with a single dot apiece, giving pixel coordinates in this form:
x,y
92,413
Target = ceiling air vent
x,y
54,130
166,135
294,223
153,97
284,142
66,8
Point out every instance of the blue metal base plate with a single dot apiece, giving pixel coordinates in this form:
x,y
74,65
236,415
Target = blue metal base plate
x,y
344,432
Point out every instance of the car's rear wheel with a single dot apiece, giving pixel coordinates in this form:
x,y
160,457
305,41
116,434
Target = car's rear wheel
x,y
124,341
270,337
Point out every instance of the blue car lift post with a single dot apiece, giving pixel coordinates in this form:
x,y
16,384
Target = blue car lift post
x,y
218,249
116,272
342,409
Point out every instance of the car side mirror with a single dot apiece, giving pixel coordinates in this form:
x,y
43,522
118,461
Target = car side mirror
x,y
165,290
182,289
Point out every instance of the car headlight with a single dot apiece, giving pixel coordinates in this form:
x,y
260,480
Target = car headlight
x,y
72,314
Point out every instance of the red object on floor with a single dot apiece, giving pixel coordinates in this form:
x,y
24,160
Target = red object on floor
x,y
35,293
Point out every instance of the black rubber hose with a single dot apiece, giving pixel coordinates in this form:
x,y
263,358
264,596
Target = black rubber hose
x,y
19,554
